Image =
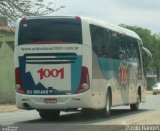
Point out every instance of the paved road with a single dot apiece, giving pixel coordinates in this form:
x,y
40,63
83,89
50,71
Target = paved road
x,y
149,113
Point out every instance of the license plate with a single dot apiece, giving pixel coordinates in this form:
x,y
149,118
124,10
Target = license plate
x,y
50,100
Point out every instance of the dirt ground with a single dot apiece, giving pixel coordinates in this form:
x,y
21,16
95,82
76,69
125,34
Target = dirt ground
x,y
8,108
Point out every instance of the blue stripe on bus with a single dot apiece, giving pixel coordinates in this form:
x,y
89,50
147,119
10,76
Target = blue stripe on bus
x,y
76,74
109,67
26,78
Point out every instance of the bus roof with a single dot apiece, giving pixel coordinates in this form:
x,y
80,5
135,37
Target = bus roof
x,y
90,20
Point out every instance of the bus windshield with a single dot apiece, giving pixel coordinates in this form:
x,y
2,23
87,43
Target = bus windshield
x,y
50,31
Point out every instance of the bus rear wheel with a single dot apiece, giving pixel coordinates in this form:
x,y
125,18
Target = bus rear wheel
x,y
49,114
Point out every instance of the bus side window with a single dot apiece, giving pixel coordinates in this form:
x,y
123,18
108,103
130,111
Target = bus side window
x,y
130,50
136,50
94,36
122,50
114,45
98,40
106,45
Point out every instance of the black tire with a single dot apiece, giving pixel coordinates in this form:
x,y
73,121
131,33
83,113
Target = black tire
x,y
135,106
49,114
107,109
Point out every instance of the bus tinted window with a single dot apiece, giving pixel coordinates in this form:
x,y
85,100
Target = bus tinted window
x,y
100,41
104,42
114,41
55,30
110,44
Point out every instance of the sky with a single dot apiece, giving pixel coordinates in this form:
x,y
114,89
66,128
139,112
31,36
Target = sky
x,y
142,13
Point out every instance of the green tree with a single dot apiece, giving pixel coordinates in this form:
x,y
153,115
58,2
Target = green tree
x,y
150,41
13,9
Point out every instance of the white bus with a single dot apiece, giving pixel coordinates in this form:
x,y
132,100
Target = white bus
x,y
66,63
